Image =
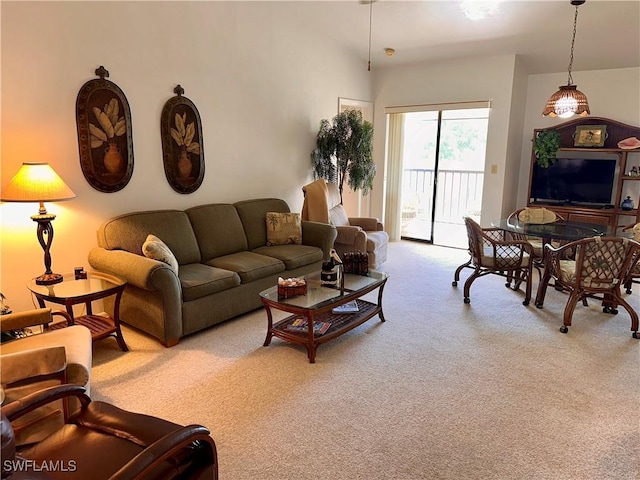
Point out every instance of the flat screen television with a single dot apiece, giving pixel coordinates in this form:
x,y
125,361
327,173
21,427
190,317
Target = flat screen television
x,y
574,181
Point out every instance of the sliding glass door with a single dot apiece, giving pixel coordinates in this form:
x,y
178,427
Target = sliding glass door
x,y
419,158
442,158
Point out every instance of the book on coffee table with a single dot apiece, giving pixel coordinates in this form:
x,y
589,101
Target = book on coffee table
x,y
351,307
300,325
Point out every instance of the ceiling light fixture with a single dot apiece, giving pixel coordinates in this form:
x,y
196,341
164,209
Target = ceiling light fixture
x,y
389,52
479,9
568,101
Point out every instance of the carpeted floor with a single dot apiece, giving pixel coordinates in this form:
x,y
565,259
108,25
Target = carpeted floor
x,y
442,390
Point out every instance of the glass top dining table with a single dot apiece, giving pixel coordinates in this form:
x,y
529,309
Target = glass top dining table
x,y
558,230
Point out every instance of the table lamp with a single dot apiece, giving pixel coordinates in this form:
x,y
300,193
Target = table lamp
x,y
38,182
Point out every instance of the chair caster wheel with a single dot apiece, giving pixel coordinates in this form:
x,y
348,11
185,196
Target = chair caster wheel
x,y
454,284
525,303
613,311
467,300
539,305
606,310
508,285
628,290
635,335
564,329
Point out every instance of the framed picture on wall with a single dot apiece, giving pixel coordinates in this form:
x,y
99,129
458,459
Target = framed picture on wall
x,y
590,135
363,106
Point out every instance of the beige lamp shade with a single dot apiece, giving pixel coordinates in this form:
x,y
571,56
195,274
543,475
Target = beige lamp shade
x,y
36,182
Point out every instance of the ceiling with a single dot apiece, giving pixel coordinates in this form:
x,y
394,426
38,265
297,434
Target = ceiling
x,y
539,32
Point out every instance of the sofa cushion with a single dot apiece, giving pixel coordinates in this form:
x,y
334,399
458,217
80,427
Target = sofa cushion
x,y
252,214
218,230
128,232
339,216
199,280
156,249
537,215
293,256
249,265
283,228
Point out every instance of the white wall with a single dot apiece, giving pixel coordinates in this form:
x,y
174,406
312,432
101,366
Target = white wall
x,y
464,80
260,78
613,94
515,139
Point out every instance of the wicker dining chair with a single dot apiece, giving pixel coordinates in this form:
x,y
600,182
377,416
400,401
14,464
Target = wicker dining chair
x,y
534,215
600,268
492,253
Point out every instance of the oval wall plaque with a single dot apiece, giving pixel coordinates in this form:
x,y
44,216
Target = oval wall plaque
x,y
105,140
182,149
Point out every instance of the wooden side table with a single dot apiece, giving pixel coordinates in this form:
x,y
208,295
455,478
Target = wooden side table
x,y
72,292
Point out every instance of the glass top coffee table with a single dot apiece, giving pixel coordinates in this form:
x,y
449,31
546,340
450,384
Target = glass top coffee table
x,y
315,308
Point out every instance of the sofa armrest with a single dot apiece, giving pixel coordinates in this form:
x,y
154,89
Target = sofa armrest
x,y
368,224
137,270
353,236
321,235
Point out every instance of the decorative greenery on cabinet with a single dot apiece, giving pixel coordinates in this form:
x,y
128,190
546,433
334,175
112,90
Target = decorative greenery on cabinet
x,y
545,147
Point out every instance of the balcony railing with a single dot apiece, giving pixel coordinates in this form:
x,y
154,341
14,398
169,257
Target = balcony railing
x,y
459,194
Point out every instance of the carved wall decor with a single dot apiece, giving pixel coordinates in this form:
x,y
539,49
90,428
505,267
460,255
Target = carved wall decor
x,y
105,139
182,149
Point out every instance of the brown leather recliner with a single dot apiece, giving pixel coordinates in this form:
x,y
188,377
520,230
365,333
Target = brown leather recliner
x,y
101,441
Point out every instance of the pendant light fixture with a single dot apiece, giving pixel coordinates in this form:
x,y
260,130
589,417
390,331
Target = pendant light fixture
x,y
568,101
370,23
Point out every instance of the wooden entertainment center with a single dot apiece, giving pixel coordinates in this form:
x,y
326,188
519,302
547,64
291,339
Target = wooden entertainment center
x,y
625,184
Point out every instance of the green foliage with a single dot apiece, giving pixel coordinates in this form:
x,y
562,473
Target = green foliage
x,y
545,147
344,151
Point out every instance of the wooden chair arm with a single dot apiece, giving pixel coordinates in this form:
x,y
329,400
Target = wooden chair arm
x,y
64,315
18,408
164,448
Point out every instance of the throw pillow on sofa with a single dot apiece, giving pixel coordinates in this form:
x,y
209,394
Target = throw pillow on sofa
x,y
156,249
283,228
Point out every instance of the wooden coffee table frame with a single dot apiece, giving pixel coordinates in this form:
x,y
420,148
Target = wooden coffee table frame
x,y
340,323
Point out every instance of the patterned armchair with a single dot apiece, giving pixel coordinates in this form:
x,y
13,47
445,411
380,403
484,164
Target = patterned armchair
x,y
492,253
601,266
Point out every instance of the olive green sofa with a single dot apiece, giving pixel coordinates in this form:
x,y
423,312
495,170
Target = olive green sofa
x,y
224,262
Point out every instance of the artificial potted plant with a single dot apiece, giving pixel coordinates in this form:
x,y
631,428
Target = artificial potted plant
x,y
545,147
344,151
